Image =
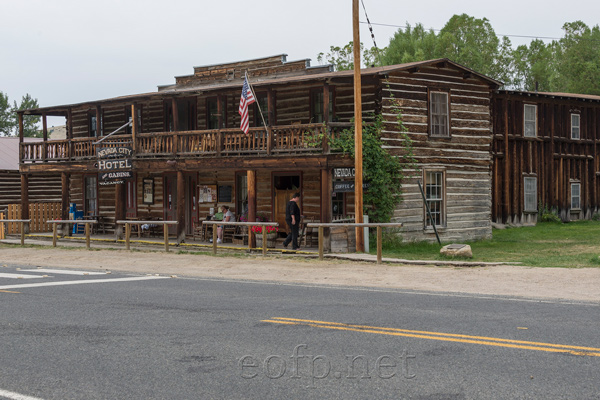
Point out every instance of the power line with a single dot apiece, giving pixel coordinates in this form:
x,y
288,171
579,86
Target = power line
x,y
516,36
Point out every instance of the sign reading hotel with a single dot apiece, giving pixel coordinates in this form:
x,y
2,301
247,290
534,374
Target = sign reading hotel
x,y
114,165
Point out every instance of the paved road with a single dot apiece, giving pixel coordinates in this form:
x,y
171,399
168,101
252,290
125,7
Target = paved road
x,y
118,336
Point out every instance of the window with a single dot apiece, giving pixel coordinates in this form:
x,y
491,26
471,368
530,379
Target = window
x,y
530,184
575,196
93,125
212,110
262,102
575,126
337,205
316,108
434,195
91,195
241,193
530,121
439,115
129,128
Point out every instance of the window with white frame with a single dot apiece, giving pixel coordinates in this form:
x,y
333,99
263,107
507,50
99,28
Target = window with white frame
x,y
575,196
439,114
434,196
530,120
575,126
530,186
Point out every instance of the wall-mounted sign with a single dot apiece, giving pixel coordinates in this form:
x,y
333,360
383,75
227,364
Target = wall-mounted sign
x,y
114,178
113,165
148,190
343,173
346,186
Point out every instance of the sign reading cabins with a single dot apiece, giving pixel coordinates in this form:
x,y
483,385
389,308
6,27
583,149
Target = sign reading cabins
x,y
114,165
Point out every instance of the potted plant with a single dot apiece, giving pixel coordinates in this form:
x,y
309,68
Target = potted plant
x,y
260,217
271,235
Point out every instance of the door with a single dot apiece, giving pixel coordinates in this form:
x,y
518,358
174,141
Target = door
x,y
284,187
191,202
131,210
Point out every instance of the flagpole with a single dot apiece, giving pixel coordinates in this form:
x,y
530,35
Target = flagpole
x,y
257,103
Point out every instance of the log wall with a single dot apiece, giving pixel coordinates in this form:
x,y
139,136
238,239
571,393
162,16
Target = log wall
x,y
552,157
42,188
464,157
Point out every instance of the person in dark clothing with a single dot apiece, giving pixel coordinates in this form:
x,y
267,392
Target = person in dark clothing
x,y
292,218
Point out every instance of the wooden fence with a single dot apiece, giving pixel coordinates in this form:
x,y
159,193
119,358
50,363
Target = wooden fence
x,y
39,213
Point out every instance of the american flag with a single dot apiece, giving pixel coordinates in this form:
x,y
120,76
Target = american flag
x,y
246,99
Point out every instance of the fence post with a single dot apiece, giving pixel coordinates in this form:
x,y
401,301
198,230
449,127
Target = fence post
x,y
321,243
166,235
22,233
2,224
54,234
214,232
87,235
264,239
127,233
379,244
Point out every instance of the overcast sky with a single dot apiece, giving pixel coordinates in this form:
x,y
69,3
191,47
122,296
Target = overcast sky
x,y
70,51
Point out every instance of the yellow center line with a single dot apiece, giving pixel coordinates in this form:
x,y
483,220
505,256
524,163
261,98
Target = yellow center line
x,y
449,337
8,291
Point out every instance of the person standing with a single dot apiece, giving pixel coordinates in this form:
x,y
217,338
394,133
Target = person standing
x,y
292,218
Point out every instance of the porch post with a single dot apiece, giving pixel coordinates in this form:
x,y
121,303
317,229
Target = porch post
x,y
64,212
70,132
219,112
326,188
181,228
25,199
120,208
134,126
45,135
21,135
251,178
99,122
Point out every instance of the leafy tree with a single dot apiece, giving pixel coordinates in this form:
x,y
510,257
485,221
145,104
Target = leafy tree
x,y
578,59
342,58
7,118
471,42
30,122
411,44
534,64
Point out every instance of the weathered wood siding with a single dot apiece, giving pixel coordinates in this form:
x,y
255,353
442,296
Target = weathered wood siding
x,y
552,156
42,188
464,157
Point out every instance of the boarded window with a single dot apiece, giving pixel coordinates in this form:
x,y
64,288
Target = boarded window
x,y
434,195
530,184
575,126
575,196
530,121
439,114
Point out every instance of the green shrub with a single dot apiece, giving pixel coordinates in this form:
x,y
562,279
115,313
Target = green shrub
x,y
596,216
545,214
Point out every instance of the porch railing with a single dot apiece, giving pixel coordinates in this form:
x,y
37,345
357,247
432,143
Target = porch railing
x,y
290,139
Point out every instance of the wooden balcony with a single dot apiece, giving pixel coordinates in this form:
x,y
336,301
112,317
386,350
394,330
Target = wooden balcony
x,y
276,140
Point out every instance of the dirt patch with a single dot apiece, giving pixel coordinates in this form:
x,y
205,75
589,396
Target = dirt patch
x,y
550,283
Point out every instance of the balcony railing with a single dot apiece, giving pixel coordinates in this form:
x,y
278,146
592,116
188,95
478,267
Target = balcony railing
x,y
290,139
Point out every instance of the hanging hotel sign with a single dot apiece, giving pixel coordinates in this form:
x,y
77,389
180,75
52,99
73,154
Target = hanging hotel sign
x,y
114,165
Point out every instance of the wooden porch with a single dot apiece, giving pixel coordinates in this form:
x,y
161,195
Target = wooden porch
x,y
260,141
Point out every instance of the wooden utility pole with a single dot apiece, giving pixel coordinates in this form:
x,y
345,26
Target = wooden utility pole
x,y
358,163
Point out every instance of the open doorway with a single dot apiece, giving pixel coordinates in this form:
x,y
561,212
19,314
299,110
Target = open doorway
x,y
284,187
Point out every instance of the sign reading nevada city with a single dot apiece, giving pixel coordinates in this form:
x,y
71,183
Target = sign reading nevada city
x,y
343,172
111,159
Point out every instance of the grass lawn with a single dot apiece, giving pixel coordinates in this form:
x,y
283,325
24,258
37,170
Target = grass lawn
x,y
572,245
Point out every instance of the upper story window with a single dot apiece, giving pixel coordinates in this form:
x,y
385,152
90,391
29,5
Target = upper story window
x,y
439,114
316,106
530,120
262,101
212,113
575,126
94,130
530,186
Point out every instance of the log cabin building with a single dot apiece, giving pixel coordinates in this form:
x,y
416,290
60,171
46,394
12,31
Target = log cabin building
x,y
546,154
184,153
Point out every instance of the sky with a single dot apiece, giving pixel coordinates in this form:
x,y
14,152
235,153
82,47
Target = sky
x,y
71,51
